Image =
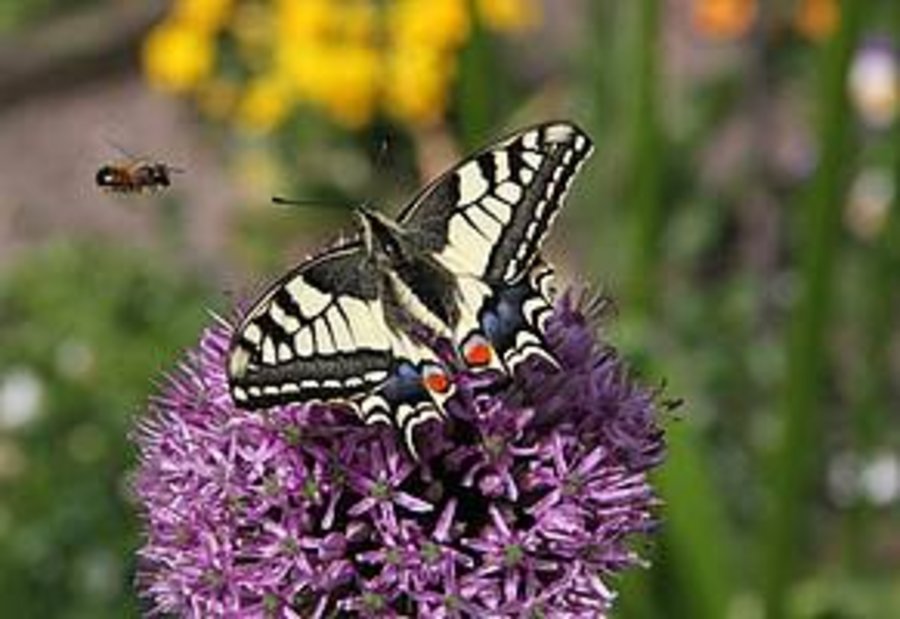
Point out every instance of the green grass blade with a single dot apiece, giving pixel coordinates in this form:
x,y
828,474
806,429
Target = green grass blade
x,y
697,535
796,457
644,191
476,104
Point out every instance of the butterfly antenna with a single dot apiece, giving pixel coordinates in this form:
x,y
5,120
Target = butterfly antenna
x,y
311,202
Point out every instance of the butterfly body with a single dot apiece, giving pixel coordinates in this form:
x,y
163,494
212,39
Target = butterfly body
x,y
418,290
461,264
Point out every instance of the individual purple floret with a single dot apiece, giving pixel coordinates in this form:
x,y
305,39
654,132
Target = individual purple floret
x,y
523,504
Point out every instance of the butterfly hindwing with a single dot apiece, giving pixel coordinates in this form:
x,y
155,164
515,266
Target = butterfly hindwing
x,y
405,400
488,216
515,320
509,318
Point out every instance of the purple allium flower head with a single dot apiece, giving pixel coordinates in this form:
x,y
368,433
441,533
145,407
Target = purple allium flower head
x,y
522,504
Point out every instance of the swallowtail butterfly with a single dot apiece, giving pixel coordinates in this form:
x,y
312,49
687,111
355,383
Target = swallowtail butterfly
x,y
461,264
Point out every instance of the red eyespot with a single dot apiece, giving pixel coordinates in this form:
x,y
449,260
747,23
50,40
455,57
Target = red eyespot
x,y
477,352
436,379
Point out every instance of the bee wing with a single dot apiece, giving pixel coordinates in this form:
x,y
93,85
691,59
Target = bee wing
x,y
129,156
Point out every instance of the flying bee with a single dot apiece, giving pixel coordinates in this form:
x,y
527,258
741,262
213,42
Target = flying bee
x,y
135,175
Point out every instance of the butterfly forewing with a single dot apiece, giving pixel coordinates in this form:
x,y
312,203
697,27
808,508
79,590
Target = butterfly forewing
x,y
318,333
488,216
321,334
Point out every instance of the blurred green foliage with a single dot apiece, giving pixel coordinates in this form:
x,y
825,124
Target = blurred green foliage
x,y
85,331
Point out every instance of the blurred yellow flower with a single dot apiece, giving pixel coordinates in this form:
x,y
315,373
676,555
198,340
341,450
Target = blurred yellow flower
x,y
306,20
817,19
305,64
265,102
436,23
723,19
341,79
509,15
349,92
326,50
176,56
350,21
209,15
349,58
358,22
416,84
420,60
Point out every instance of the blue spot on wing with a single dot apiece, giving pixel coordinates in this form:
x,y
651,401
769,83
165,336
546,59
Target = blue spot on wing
x,y
404,386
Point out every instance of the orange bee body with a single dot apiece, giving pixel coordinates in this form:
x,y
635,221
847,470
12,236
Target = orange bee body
x,y
136,177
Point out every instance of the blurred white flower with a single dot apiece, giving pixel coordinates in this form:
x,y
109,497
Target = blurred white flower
x,y
879,479
875,480
869,202
874,83
21,394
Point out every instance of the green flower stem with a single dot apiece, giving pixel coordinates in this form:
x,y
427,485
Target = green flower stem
x,y
477,89
645,170
697,535
636,597
795,460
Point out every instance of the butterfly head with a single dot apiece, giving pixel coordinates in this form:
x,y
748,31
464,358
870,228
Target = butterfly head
x,y
383,238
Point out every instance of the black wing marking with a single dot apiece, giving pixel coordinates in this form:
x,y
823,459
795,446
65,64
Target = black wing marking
x,y
317,333
488,216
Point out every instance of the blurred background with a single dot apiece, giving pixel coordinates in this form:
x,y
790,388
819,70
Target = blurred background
x,y
741,208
